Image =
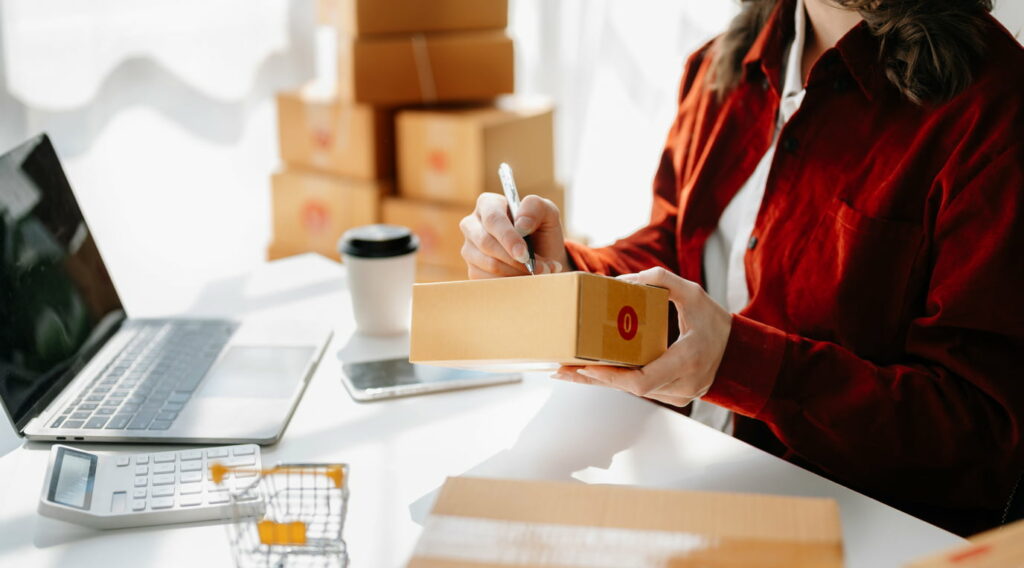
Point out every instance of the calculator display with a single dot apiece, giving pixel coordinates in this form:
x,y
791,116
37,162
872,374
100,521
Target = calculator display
x,y
73,477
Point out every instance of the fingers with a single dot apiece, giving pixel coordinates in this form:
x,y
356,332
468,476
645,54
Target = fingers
x,y
535,213
492,211
488,264
679,289
476,235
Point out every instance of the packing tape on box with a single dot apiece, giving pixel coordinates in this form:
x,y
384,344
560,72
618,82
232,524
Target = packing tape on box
x,y
514,543
424,71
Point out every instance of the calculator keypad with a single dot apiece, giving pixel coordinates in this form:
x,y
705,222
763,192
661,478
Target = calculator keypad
x,y
167,480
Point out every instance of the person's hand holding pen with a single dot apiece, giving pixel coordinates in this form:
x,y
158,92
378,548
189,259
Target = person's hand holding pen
x,y
495,245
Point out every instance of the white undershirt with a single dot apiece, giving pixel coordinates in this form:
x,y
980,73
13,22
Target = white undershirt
x,y
725,250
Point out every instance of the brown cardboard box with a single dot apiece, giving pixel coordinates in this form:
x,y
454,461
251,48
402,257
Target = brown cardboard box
x,y
483,523
453,154
359,17
450,67
437,225
538,322
317,131
430,273
998,548
311,210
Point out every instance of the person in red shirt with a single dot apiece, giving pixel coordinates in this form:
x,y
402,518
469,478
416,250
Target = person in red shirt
x,y
839,219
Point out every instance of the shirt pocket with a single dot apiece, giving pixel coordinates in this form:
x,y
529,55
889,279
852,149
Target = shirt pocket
x,y
851,282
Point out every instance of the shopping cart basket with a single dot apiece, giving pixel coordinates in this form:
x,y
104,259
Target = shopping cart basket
x,y
289,515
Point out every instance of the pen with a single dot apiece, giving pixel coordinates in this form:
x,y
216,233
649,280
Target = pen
x,y
508,184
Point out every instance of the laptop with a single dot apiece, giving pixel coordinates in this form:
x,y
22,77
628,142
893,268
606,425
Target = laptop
x,y
74,367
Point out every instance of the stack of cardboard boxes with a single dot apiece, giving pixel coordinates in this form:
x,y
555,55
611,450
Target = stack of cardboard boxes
x,y
421,75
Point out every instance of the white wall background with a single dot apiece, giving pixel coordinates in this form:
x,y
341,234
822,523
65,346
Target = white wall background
x,y
163,112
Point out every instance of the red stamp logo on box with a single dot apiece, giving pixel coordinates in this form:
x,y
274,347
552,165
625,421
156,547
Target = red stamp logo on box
x,y
315,217
628,322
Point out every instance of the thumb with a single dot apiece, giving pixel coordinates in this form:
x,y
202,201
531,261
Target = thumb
x,y
679,289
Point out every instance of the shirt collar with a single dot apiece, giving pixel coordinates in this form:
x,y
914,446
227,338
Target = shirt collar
x,y
793,81
858,50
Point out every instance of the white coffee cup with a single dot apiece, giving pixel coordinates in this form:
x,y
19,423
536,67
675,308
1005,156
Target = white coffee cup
x,y
381,265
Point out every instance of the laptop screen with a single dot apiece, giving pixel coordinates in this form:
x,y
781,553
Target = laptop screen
x,y
57,302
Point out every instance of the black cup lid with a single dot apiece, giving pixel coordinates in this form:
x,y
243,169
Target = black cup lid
x,y
378,241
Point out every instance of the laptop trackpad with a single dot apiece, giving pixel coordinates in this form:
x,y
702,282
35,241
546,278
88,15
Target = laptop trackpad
x,y
257,372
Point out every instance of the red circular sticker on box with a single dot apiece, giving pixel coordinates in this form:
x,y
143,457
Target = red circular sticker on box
x,y
628,322
314,217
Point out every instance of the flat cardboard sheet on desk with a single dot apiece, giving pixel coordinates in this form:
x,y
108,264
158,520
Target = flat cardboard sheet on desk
x,y
478,523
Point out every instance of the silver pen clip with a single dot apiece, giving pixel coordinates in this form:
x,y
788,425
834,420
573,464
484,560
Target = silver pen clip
x,y
508,185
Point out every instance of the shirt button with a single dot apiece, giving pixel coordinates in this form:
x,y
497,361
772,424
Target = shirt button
x,y
752,243
790,144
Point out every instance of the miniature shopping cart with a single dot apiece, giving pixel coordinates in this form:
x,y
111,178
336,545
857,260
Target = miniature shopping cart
x,y
289,515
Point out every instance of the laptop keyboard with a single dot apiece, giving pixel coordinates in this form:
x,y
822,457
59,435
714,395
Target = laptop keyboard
x,y
150,380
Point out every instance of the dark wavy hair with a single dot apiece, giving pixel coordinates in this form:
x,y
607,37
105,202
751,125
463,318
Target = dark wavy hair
x,y
928,47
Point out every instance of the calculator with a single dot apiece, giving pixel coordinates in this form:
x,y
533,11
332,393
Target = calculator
x,y
110,491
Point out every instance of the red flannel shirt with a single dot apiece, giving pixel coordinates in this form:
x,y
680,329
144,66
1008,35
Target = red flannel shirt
x,y
883,345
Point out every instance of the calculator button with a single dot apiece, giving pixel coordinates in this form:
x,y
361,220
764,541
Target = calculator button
x,y
191,477
190,488
141,460
217,453
139,493
191,455
139,505
244,473
163,468
140,482
216,486
244,450
161,502
191,466
123,460
163,458
164,479
217,498
163,491
190,501
248,460
142,470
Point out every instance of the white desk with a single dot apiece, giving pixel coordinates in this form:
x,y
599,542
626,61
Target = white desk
x,y
400,451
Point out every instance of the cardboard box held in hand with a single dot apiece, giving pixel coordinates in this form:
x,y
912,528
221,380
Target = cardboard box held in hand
x,y
538,322
484,523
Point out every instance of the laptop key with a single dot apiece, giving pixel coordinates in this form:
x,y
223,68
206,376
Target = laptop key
x,y
160,425
166,415
94,398
175,406
141,420
104,411
57,422
119,421
179,397
87,406
74,423
81,415
130,408
97,422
